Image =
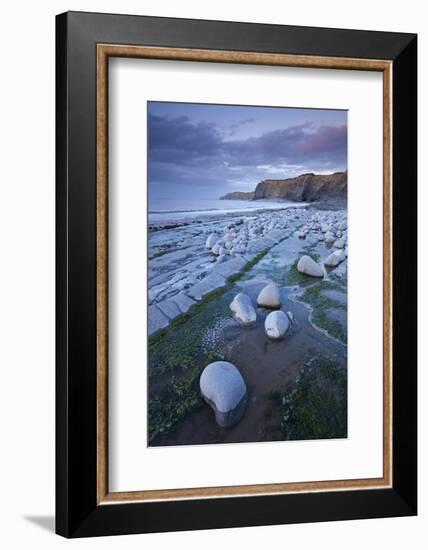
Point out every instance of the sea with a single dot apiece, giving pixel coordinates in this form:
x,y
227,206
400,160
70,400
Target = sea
x,y
179,210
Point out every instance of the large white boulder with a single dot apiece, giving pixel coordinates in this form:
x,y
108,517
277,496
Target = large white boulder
x,y
211,240
270,296
340,243
243,309
335,258
224,389
308,266
276,324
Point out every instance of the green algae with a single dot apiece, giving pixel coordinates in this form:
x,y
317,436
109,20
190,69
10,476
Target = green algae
x,y
315,407
323,307
176,399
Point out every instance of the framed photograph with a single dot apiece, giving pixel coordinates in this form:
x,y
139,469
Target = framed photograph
x,y
236,274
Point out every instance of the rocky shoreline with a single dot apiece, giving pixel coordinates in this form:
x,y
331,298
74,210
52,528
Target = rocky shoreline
x,y
264,293
194,272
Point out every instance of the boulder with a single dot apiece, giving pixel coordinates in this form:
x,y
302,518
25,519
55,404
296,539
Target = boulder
x,y
211,240
309,267
243,309
224,389
329,238
340,243
270,296
335,258
216,249
276,324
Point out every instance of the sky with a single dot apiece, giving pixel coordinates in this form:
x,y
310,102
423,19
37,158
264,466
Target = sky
x,y
205,150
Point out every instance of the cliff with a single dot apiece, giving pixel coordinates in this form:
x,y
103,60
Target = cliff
x,y
239,195
304,188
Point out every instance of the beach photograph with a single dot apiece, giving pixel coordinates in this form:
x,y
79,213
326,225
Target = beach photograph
x,y
247,273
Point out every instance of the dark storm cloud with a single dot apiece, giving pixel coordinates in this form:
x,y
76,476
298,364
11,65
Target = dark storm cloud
x,y
232,128
196,154
301,144
179,141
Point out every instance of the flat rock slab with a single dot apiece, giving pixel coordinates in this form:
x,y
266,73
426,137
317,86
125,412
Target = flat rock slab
x,y
159,279
259,245
207,285
231,267
277,234
335,295
248,256
169,308
157,320
173,257
183,302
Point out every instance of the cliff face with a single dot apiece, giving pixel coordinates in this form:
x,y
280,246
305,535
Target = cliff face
x,y
239,195
304,188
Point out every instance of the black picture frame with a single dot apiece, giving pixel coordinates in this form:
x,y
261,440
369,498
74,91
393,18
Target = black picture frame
x,y
77,512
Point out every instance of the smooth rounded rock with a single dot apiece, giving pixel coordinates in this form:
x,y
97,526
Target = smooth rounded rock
x,y
243,309
335,258
340,243
276,324
211,240
309,267
270,296
216,249
224,389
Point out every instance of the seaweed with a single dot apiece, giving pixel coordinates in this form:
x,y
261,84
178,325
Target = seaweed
x,y
176,399
181,344
315,407
320,304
